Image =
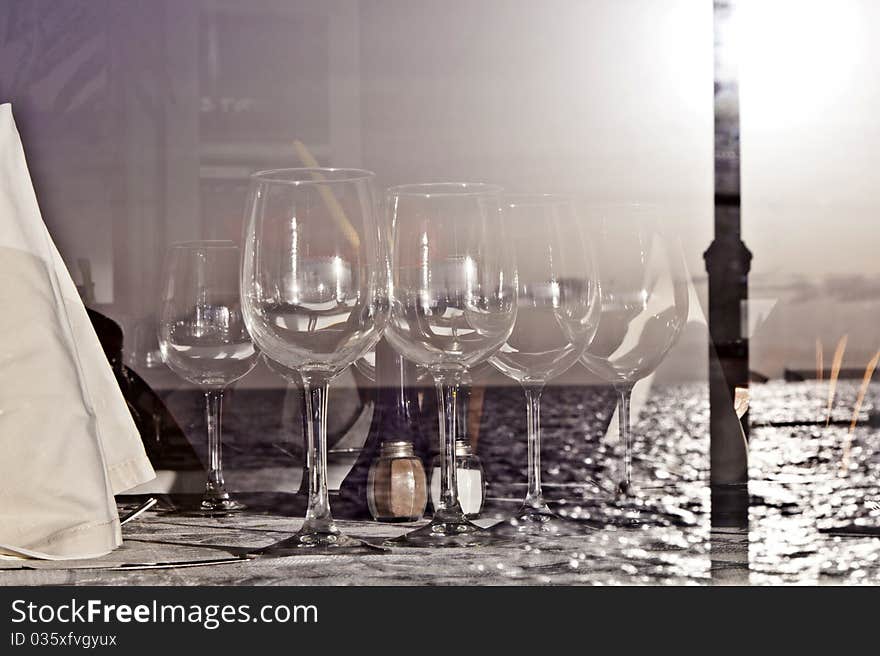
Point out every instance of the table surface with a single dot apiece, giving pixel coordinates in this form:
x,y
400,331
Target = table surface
x,y
644,556
694,554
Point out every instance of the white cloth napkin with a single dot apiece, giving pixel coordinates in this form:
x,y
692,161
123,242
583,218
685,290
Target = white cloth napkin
x,y
67,440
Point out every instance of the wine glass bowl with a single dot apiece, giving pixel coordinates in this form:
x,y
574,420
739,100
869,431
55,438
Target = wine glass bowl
x,y
640,319
558,289
203,338
312,282
452,303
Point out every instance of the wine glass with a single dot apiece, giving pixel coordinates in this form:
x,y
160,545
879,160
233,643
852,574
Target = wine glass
x,y
312,284
644,307
452,297
202,338
557,316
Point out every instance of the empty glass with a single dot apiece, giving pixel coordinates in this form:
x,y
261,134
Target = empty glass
x,y
557,316
452,295
202,338
313,280
644,308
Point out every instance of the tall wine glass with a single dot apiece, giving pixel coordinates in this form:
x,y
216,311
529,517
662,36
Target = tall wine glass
x,y
313,279
644,308
557,316
202,338
452,294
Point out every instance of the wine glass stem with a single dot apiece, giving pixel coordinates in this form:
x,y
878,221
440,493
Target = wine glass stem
x,y
318,516
447,400
534,496
215,488
624,394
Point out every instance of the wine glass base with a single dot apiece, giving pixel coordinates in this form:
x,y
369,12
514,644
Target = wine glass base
x,y
627,513
221,505
539,522
448,532
329,543
203,507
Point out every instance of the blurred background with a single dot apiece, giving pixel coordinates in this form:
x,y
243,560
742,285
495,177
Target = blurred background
x,y
142,120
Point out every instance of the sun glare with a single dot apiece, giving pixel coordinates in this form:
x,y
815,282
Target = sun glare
x,y
797,58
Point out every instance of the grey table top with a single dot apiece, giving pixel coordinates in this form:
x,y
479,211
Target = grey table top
x,y
679,555
668,555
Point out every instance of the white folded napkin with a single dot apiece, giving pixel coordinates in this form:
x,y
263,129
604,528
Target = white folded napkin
x,y
67,440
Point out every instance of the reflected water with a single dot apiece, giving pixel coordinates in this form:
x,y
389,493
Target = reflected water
x,y
807,522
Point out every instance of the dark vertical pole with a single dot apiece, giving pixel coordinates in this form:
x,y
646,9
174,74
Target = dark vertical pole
x,y
727,262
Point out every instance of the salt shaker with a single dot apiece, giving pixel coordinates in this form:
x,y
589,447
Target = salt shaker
x,y
469,474
396,486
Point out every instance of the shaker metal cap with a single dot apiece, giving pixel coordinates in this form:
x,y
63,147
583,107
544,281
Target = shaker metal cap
x,y
397,449
463,448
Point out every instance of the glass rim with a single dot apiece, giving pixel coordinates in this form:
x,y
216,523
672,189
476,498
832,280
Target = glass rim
x,y
338,175
445,189
527,199
205,244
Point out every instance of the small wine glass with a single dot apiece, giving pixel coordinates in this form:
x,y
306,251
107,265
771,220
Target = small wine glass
x,y
557,316
313,280
202,338
644,309
452,296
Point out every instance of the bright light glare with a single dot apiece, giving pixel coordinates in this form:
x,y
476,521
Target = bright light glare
x,y
797,58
